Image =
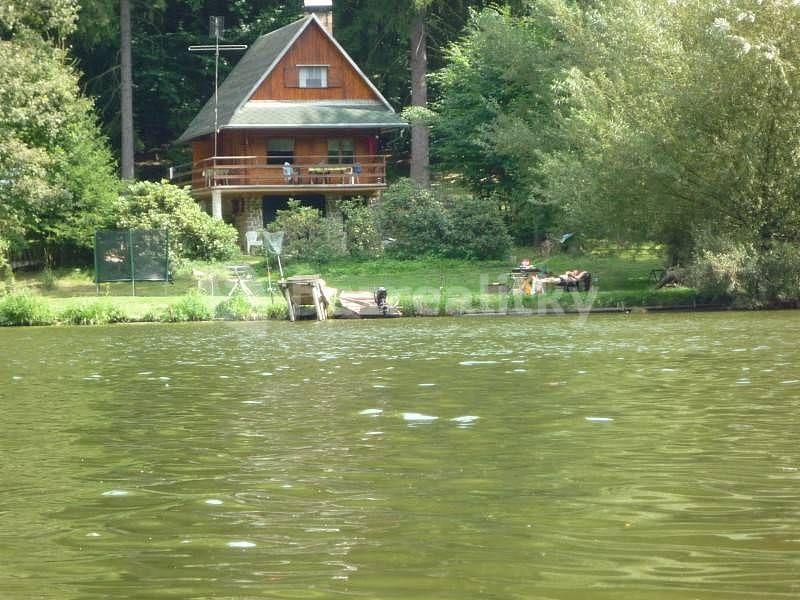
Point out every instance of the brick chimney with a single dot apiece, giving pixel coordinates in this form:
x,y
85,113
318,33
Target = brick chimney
x,y
324,11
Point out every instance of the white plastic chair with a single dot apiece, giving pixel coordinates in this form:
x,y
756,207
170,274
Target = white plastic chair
x,y
252,239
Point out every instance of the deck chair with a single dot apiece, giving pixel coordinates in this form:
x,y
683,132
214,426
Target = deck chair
x,y
252,239
580,284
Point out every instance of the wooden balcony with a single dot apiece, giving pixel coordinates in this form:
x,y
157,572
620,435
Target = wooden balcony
x,y
255,174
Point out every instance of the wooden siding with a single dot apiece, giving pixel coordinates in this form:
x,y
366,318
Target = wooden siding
x,y
234,142
314,48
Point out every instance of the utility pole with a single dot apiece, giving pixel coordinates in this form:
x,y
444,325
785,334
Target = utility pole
x,y
216,30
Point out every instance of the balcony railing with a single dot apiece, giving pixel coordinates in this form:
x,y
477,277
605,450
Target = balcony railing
x,y
255,172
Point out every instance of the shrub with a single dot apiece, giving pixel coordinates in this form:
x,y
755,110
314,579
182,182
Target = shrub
x,y
361,229
414,219
193,233
237,308
477,230
754,277
96,313
725,272
309,235
779,274
276,311
424,222
24,309
191,307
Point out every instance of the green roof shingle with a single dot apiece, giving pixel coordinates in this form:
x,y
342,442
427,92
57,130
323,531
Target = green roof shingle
x,y
320,114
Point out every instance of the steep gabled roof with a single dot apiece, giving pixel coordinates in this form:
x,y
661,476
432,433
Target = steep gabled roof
x,y
236,109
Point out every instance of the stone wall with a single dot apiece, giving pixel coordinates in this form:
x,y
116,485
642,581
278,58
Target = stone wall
x,y
247,216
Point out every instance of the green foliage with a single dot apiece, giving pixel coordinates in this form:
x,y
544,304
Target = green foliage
x,y
24,309
5,266
192,307
193,233
96,313
414,219
361,229
45,17
277,311
478,230
425,222
496,112
750,276
309,235
237,308
655,146
56,174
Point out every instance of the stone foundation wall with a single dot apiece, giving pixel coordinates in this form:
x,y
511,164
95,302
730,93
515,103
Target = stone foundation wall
x,y
248,217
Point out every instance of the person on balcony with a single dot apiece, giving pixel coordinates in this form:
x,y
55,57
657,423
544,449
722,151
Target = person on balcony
x,y
288,172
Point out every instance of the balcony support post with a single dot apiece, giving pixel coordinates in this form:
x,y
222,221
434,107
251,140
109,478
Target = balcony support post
x,y
216,204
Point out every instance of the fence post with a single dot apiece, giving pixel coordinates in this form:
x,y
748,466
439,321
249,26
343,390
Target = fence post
x,y
96,272
133,264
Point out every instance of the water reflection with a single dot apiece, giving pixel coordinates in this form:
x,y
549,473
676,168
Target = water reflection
x,y
638,457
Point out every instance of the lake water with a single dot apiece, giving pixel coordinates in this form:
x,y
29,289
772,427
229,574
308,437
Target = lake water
x,y
631,457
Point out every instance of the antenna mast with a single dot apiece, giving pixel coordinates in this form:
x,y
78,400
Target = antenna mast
x,y
216,27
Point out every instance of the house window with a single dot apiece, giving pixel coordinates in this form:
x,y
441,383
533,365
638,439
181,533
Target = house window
x,y
341,151
313,76
280,150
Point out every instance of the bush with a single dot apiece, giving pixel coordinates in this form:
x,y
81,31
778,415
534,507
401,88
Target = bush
x,y
24,309
237,308
779,267
194,234
309,235
361,230
414,219
97,313
752,277
477,230
422,222
191,307
276,311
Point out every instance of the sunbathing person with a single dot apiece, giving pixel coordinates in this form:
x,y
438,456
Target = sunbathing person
x,y
573,278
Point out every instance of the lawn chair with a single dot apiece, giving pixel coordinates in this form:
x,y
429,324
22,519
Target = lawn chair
x,y
252,239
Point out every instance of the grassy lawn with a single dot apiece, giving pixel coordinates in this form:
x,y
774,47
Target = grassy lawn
x,y
424,286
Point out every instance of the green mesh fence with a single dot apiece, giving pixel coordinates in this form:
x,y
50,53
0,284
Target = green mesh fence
x,y
131,255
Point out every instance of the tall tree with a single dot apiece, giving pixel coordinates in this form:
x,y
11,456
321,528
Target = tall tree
x,y
56,174
126,91
420,136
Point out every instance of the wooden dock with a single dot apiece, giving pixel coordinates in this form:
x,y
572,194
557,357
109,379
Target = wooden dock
x,y
361,305
306,290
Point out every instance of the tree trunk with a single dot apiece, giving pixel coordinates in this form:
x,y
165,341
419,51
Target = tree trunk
x,y
126,93
420,160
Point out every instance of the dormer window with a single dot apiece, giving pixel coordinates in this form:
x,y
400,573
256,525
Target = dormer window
x,y
313,76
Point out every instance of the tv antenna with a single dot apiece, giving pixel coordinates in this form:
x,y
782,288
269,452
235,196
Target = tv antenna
x,y
216,29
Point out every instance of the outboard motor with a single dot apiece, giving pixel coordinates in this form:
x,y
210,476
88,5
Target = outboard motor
x,y
380,300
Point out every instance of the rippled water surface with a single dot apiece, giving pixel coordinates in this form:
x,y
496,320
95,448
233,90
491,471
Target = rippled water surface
x,y
640,457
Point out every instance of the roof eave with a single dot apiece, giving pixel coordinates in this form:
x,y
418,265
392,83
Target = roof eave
x,y
320,126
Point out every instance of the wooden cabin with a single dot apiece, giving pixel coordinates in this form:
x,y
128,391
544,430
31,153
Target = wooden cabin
x,y
296,118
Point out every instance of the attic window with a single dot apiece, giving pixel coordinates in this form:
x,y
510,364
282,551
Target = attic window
x,y
315,76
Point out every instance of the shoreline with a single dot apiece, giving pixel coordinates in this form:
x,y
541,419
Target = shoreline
x,y
473,314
